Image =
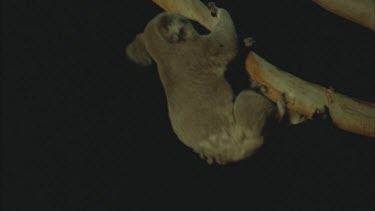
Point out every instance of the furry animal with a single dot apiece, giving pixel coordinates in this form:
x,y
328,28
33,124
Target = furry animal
x,y
200,101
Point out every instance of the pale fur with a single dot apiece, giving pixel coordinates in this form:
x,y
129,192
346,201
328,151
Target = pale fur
x,y
200,101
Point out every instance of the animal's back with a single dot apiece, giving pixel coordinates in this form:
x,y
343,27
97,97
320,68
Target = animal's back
x,y
203,119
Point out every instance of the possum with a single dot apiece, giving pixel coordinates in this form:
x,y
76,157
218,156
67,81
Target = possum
x,y
204,113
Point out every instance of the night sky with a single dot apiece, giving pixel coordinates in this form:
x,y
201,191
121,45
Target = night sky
x,y
84,128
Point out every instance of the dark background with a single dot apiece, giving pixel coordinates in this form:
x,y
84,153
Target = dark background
x,y
86,129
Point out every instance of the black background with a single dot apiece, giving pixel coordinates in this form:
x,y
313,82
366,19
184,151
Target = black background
x,y
86,129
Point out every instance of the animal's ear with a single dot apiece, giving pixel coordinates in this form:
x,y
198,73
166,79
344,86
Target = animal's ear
x,y
136,51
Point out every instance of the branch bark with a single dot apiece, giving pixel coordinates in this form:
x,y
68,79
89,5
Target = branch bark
x,y
302,97
306,98
358,11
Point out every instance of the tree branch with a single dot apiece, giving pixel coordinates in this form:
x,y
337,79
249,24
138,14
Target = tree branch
x,y
358,11
307,98
301,96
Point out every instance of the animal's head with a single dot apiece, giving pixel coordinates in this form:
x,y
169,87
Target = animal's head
x,y
175,28
161,35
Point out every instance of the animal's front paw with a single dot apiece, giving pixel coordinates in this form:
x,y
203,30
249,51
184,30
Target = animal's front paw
x,y
258,86
281,106
296,118
213,9
321,113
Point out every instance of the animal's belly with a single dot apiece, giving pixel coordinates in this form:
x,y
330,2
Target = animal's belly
x,y
214,135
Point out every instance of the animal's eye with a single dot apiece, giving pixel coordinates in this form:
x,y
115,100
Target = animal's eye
x,y
165,21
